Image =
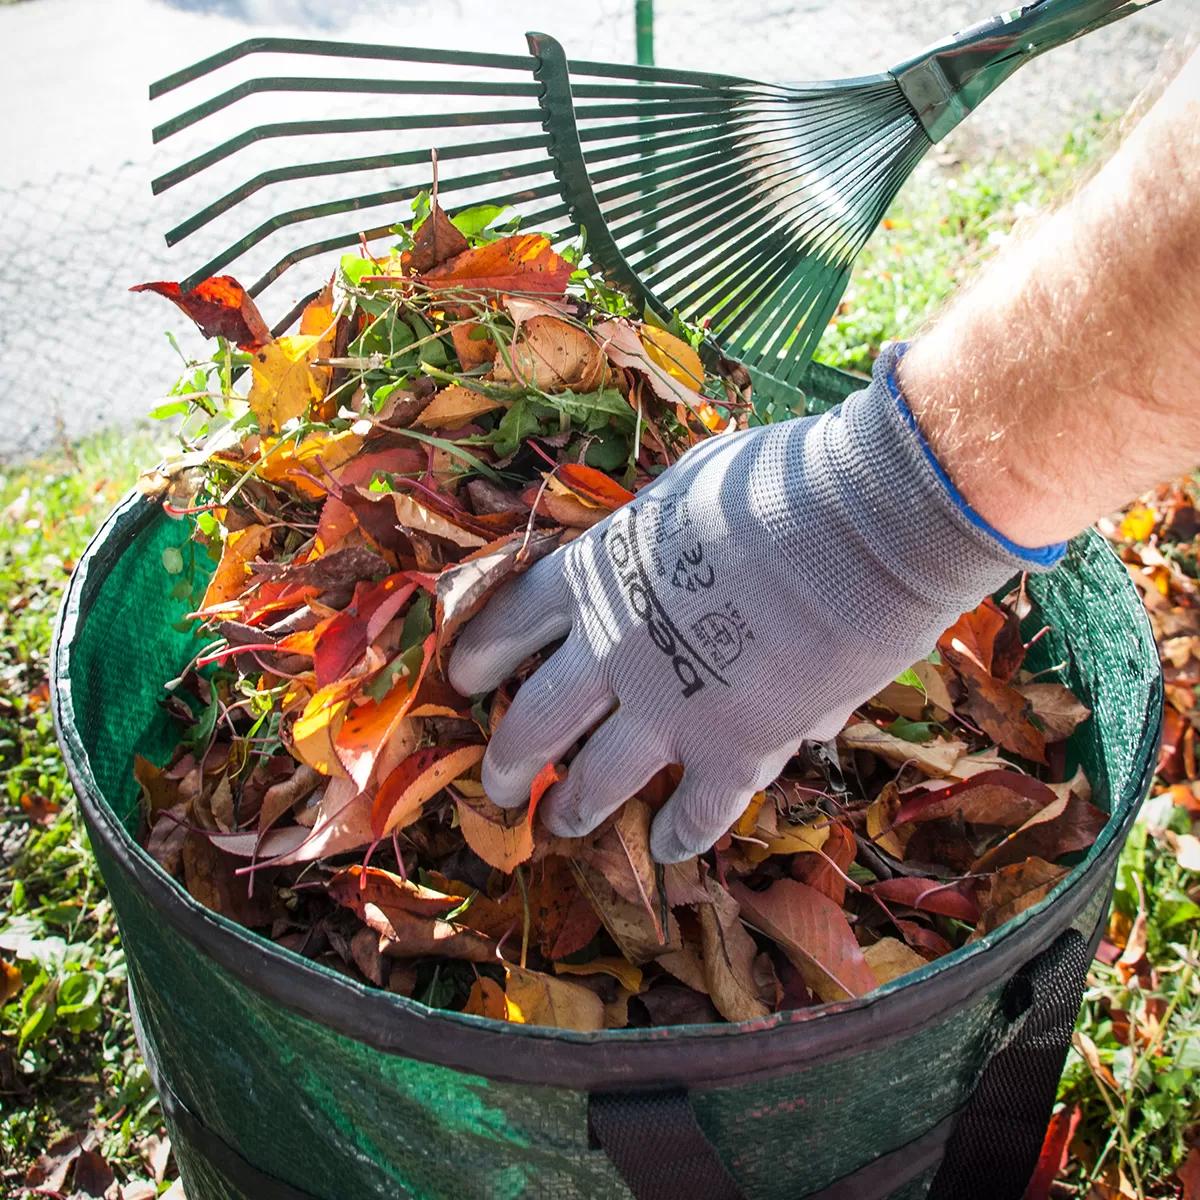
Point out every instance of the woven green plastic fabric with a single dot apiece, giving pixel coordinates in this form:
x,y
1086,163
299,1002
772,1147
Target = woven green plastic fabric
x,y
332,1113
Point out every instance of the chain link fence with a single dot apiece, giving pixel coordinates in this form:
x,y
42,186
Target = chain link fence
x,y
78,352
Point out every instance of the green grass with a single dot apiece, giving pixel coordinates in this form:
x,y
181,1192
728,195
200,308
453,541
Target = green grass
x,y
67,1057
67,1060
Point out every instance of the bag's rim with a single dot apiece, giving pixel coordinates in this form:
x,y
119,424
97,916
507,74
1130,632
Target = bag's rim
x,y
523,1054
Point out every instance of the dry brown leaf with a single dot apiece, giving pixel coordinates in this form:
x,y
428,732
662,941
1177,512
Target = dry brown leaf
x,y
552,355
1056,707
935,758
729,953
890,958
454,406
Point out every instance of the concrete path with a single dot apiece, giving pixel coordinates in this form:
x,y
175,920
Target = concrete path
x,y
80,223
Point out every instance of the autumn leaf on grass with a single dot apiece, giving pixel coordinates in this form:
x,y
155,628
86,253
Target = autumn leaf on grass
x,y
1070,823
729,953
417,779
544,1000
285,380
11,981
229,580
814,934
674,356
525,262
935,758
1013,889
454,406
501,837
220,306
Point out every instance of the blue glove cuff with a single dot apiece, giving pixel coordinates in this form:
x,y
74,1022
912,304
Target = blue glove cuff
x,y
1035,556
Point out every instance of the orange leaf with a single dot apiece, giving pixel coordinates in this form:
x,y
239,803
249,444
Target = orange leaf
x,y
593,486
525,262
487,999
542,782
501,837
229,580
11,982
292,463
220,306
368,727
418,778
454,406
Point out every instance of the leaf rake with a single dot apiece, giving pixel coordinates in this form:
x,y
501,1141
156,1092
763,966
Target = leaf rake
x,y
737,203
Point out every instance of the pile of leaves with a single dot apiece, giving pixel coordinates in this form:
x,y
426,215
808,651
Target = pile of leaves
x,y
444,417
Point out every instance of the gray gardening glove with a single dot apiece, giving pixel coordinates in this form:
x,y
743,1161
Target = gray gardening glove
x,y
752,597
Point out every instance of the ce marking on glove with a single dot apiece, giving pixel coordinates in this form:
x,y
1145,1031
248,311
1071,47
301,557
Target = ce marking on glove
x,y
690,667
692,572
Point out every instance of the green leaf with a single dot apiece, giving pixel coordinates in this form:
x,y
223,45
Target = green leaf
x,y
471,222
354,268
909,678
608,451
418,622
912,731
514,427
406,663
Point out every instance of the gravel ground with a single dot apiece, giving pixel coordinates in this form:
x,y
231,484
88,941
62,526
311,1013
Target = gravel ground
x,y
81,225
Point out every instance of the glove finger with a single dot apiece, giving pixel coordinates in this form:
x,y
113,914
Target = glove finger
x,y
613,764
555,707
522,617
699,811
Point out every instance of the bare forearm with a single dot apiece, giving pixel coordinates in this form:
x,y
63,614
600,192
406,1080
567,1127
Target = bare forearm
x,y
1067,380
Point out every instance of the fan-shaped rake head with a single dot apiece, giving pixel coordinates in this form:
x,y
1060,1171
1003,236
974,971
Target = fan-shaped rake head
x,y
739,204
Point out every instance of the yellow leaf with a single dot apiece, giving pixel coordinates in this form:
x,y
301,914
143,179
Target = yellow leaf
x,y
793,839
890,958
674,356
880,815
623,971
287,461
501,837
241,547
285,382
11,982
454,406
747,823
1138,523
544,1000
317,726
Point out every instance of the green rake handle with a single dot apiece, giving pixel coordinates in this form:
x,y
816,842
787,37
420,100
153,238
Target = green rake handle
x,y
950,79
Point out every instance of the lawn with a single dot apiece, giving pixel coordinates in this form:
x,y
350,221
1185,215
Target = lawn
x,y
67,1060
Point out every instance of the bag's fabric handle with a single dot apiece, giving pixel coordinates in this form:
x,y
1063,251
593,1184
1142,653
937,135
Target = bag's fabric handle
x,y
991,1146
995,1146
658,1147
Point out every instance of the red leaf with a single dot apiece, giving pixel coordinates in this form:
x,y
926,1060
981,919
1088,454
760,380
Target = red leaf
x,y
1189,1174
220,306
1070,823
999,797
813,932
954,899
819,872
418,778
1055,1154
